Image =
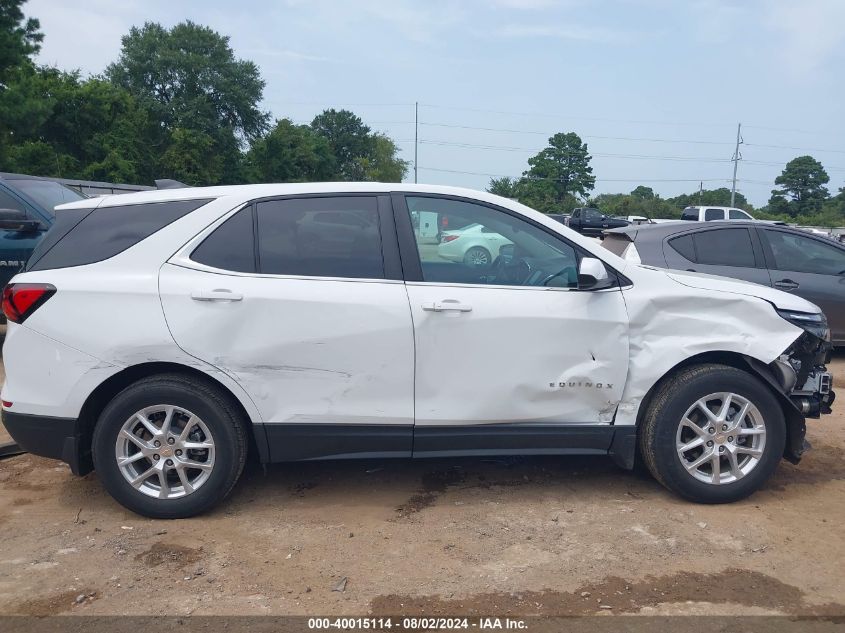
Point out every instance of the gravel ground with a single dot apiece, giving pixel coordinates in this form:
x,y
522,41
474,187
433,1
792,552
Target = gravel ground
x,y
461,536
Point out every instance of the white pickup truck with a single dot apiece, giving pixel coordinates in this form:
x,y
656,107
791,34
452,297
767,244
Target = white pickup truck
x,y
706,213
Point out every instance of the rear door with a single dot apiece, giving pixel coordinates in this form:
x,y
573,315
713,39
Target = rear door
x,y
809,267
729,252
508,355
300,300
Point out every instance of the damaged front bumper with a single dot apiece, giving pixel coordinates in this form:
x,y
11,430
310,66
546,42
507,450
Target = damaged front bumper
x,y
801,375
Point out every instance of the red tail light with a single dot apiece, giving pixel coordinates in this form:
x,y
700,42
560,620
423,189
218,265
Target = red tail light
x,y
449,238
21,300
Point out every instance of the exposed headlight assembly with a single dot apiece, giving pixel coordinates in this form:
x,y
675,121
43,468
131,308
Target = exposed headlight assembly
x,y
813,322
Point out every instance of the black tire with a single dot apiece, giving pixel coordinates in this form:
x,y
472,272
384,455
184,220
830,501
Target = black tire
x,y
657,439
482,252
220,415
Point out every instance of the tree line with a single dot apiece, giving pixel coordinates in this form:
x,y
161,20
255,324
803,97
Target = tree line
x,y
560,178
176,103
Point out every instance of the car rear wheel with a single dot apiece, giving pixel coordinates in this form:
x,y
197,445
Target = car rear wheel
x,y
169,446
477,256
713,434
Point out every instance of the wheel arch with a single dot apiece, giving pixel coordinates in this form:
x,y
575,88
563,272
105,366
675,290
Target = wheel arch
x,y
795,424
114,384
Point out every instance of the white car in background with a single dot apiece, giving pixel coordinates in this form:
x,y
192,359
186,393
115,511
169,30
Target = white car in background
x,y
474,245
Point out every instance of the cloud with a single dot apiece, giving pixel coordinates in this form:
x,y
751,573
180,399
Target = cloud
x,y
811,32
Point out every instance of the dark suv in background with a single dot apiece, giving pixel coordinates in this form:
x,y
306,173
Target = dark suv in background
x,y
593,222
789,259
26,212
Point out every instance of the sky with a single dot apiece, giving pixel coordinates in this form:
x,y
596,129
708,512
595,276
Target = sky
x,y
655,88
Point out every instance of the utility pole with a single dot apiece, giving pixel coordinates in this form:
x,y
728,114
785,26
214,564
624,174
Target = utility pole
x,y
416,136
701,190
736,158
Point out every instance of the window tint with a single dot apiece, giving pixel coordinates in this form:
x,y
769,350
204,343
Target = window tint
x,y
495,248
320,237
231,246
736,214
592,215
803,254
8,202
107,231
725,247
714,214
576,213
684,246
690,213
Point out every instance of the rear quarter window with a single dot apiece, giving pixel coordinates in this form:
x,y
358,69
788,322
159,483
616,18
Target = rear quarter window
x,y
102,233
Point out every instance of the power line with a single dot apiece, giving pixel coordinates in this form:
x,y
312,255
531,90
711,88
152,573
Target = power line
x,y
798,149
477,173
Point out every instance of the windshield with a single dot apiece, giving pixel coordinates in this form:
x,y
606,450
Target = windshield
x,y
46,193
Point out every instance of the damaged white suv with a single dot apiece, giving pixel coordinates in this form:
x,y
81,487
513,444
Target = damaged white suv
x,y
157,337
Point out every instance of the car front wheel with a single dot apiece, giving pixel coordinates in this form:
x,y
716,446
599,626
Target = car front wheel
x,y
713,434
169,446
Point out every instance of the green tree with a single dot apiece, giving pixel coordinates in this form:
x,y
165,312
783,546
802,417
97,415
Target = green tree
x,y
720,197
643,193
191,79
290,153
190,158
349,139
565,165
802,185
383,164
504,186
20,38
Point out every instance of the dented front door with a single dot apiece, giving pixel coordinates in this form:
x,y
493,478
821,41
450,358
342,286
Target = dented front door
x,y
524,355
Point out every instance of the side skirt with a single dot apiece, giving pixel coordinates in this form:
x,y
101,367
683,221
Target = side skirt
x,y
301,442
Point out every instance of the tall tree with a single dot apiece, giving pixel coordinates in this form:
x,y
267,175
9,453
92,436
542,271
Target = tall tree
x,y
504,186
360,154
565,164
643,193
191,77
290,153
802,186
349,139
20,38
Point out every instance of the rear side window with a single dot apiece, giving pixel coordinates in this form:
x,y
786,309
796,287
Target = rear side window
x,y
714,214
107,231
231,246
320,237
684,246
725,247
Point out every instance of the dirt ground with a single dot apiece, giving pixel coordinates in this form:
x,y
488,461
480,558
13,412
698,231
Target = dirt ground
x,y
561,536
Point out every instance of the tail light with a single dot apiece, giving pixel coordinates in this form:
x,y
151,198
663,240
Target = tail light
x,y
449,238
21,300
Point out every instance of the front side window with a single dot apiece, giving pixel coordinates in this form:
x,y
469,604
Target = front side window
x,y
490,247
320,237
592,215
801,254
736,214
725,247
7,201
714,214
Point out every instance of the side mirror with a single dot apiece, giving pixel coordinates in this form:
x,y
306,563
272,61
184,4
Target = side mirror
x,y
592,275
16,220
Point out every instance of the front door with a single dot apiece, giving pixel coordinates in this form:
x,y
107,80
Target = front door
x,y
508,353
307,319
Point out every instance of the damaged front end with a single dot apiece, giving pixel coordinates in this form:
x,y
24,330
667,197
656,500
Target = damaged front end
x,y
801,375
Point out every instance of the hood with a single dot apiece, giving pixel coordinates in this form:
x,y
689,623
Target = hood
x,y
781,300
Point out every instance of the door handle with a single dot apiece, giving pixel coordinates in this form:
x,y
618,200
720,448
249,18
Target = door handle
x,y
447,305
218,294
786,284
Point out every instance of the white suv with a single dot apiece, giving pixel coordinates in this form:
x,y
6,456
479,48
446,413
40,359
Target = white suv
x,y
156,336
